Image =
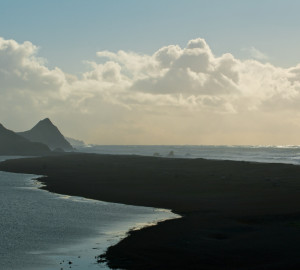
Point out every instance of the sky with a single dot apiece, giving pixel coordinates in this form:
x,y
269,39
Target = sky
x,y
153,72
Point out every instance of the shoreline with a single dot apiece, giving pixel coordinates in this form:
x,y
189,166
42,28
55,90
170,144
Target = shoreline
x,y
101,258
85,247
235,215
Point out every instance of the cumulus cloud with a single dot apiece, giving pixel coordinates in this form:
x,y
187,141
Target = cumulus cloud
x,y
20,68
135,90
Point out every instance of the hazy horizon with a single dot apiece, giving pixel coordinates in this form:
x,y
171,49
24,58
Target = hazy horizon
x,y
160,73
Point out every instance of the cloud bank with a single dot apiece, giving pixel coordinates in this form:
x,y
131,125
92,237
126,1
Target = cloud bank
x,y
174,96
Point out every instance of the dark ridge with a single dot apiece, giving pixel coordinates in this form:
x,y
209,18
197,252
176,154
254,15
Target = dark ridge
x,y
14,144
45,132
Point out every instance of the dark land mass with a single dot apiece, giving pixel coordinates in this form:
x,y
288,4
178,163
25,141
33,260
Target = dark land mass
x,y
47,133
75,143
235,215
14,144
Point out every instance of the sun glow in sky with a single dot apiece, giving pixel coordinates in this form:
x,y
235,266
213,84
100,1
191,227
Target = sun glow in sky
x,y
155,72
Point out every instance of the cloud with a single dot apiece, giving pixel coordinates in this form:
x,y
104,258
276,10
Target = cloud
x,y
173,87
20,68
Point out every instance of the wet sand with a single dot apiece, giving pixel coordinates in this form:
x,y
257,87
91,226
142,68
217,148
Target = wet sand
x,y
236,215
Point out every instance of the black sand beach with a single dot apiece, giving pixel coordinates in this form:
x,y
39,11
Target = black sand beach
x,y
236,215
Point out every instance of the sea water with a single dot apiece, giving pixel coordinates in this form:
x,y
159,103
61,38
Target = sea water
x,y
269,154
42,230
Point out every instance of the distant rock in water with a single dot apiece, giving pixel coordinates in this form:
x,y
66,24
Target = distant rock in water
x,y
171,154
14,144
75,143
47,133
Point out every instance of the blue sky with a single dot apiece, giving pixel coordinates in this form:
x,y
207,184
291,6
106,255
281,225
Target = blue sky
x,y
71,31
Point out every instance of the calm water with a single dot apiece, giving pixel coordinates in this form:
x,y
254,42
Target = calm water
x,y
274,154
42,230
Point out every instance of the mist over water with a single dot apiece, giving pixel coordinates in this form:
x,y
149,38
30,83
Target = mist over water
x,y
267,154
43,230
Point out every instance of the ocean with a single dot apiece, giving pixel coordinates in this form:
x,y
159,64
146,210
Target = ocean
x,y
45,231
269,154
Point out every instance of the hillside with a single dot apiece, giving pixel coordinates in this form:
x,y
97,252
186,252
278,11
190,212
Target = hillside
x,y
14,144
45,132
